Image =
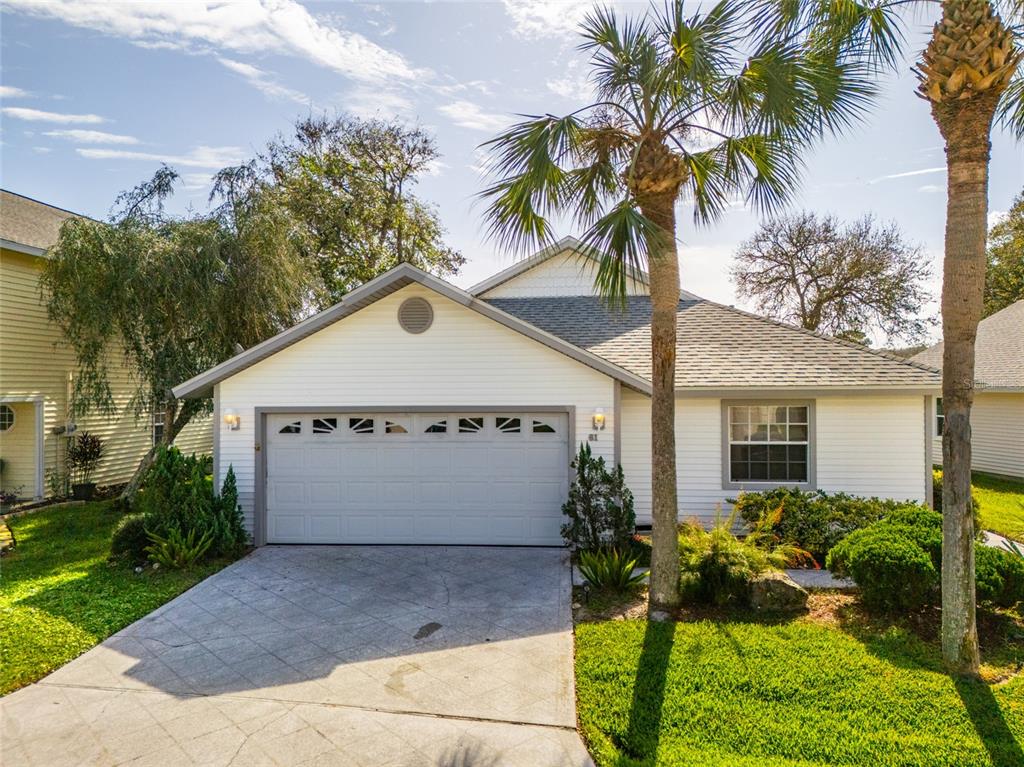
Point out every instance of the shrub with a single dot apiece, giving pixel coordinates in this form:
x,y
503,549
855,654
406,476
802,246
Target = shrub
x,y
892,570
84,454
600,506
814,521
609,569
897,562
177,494
999,576
178,550
716,566
130,540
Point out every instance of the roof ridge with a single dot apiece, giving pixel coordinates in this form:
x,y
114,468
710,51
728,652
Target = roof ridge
x,y
842,342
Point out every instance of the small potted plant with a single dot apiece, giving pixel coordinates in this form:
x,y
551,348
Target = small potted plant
x,y
84,454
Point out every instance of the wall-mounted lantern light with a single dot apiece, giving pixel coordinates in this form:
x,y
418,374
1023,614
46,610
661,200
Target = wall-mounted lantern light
x,y
598,419
232,419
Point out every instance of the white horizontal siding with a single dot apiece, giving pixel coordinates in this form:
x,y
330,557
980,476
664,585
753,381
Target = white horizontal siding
x,y
367,360
865,445
868,445
997,434
567,274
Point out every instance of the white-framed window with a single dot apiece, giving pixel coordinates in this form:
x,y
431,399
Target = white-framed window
x,y
6,417
158,424
295,427
325,425
768,443
940,417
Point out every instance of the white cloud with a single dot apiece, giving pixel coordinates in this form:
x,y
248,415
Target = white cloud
x,y
367,102
470,115
547,18
253,26
200,157
995,216
80,136
10,92
193,182
41,149
922,172
932,188
573,86
261,80
37,115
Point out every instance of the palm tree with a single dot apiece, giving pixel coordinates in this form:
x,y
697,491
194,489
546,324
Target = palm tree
x,y
970,75
679,113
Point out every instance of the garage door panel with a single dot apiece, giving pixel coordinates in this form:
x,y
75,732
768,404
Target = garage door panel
x,y
398,492
361,459
435,459
435,492
508,492
471,459
488,484
324,493
288,528
324,528
288,494
362,493
284,458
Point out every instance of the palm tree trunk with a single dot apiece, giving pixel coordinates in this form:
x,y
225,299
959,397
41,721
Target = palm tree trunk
x,y
664,276
965,127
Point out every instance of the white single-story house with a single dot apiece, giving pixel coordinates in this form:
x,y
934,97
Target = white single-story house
x,y
997,416
417,412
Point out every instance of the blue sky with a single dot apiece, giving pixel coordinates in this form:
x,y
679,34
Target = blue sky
x,y
96,95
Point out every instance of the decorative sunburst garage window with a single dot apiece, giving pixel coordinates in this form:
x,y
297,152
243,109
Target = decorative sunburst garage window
x,y
324,425
508,425
361,425
295,427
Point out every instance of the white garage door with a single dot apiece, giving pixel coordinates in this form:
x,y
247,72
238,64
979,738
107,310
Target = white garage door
x,y
485,478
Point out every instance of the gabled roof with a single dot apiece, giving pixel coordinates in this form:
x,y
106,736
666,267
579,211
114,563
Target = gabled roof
x,y
27,225
377,288
998,350
566,244
720,347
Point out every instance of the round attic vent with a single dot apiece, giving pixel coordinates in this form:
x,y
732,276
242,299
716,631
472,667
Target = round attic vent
x,y
415,315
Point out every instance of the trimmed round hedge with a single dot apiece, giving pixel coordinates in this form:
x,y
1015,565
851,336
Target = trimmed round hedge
x,y
897,563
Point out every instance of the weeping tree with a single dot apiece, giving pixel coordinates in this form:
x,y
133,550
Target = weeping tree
x,y
169,297
969,73
680,114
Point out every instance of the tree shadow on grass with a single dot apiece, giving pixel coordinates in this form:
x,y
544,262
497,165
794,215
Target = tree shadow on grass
x,y
640,741
988,720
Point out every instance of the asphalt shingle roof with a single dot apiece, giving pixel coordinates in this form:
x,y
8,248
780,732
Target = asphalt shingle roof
x,y
718,346
998,350
30,222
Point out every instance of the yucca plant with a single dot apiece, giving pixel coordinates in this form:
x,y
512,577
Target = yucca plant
x,y
610,569
687,107
176,550
970,74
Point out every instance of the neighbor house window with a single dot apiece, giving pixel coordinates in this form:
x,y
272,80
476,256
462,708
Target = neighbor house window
x,y
940,417
6,417
158,424
769,443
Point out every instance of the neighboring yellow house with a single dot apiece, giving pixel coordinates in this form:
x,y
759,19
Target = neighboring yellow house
x,y
37,370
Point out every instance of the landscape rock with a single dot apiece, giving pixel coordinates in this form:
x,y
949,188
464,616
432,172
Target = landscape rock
x,y
776,592
660,616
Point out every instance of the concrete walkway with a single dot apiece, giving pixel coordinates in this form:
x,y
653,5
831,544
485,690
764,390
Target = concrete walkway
x,y
310,655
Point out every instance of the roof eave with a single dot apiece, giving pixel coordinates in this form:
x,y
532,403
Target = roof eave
x,y
385,284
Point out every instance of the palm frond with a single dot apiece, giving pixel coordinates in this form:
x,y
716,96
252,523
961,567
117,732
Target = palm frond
x,y
1011,105
619,239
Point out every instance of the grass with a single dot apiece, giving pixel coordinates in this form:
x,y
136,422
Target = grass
x,y
738,692
1001,503
59,595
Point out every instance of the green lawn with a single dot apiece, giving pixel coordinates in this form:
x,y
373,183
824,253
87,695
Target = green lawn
x,y
737,693
59,596
1002,504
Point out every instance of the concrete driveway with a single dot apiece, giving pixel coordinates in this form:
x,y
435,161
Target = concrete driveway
x,y
326,655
